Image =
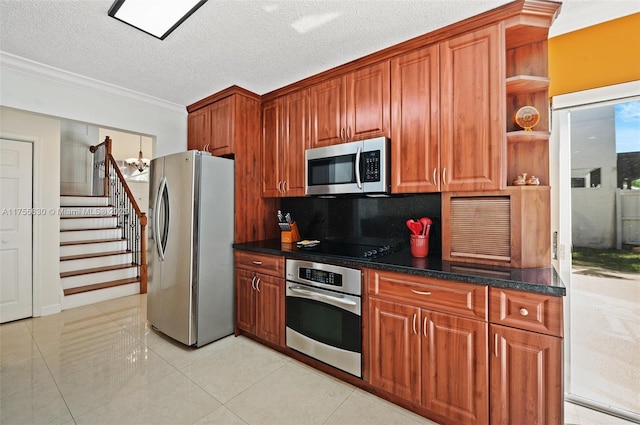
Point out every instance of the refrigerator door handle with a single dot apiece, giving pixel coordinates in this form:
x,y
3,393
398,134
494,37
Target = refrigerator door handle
x,y
162,230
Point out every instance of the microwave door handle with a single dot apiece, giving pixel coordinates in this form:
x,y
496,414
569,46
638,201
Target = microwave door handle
x,y
358,181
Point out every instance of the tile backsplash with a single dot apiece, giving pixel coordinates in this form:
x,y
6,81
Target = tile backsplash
x,y
366,220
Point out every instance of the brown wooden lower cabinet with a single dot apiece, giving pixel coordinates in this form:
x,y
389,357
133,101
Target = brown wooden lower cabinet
x,y
436,360
526,377
260,305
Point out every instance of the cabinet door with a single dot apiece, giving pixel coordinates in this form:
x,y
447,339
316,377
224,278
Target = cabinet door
x,y
270,309
222,124
368,102
198,129
415,149
454,367
473,134
245,301
526,377
296,140
327,113
271,148
394,344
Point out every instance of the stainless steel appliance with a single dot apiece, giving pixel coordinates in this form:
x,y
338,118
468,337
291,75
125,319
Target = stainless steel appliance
x,y
323,313
361,167
191,210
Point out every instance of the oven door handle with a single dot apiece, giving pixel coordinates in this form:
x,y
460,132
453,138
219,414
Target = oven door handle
x,y
314,294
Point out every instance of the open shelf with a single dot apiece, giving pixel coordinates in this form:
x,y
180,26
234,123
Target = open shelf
x,y
520,84
527,136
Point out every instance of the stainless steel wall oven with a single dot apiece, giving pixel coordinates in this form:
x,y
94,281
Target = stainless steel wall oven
x,y
323,313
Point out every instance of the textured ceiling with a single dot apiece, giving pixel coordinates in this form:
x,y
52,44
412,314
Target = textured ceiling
x,y
258,45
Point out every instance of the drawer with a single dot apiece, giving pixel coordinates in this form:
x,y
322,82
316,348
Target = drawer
x,y
262,263
526,310
448,296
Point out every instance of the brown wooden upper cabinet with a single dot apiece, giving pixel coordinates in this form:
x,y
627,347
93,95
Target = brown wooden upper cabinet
x,y
285,137
351,107
211,128
448,114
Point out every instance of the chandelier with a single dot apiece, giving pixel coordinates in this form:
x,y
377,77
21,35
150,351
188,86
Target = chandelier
x,y
140,162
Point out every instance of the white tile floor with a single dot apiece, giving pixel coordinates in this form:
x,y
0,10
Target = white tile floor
x,y
102,364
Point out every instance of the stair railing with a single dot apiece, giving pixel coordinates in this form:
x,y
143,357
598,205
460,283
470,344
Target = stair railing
x,y
131,220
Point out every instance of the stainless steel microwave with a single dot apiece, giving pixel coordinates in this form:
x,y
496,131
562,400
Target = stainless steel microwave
x,y
361,167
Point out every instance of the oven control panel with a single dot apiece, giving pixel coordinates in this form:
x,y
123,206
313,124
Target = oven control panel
x,y
320,276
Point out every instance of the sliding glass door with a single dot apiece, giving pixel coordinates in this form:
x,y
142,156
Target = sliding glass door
x,y
595,149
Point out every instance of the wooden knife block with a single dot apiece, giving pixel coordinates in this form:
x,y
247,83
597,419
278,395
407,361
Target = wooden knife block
x,y
290,236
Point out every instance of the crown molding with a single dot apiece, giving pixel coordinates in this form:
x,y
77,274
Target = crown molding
x,y
27,66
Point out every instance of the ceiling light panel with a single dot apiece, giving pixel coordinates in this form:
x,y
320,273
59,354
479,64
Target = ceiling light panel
x,y
156,17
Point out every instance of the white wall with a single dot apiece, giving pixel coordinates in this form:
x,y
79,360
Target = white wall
x,y
33,87
44,133
33,99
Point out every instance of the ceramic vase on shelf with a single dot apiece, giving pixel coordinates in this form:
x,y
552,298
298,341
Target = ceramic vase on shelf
x,y
521,180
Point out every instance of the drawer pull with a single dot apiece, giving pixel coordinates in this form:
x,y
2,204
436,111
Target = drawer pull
x,y
414,324
257,263
524,312
420,292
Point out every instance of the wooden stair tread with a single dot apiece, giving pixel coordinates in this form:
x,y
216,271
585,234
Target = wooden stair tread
x,y
93,255
101,285
96,270
91,241
94,228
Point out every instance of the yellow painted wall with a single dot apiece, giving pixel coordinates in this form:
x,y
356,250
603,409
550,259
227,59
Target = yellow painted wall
x,y
596,56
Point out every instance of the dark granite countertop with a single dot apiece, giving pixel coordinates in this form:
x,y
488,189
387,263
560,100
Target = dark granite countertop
x,y
544,280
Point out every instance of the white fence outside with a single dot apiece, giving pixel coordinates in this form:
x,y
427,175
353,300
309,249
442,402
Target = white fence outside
x,y
627,217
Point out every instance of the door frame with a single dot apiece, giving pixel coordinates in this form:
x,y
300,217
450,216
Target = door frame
x,y
560,180
38,167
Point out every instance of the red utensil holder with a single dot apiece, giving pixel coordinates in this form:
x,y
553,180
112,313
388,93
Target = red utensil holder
x,y
419,245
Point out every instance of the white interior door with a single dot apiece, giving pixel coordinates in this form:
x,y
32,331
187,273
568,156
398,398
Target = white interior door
x,y
16,206
76,161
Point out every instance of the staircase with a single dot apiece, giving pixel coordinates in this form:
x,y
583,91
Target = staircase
x,y
95,264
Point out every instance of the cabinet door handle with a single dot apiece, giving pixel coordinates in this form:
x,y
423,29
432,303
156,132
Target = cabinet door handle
x,y
414,324
444,176
424,327
349,133
435,177
258,284
342,134
420,292
253,283
257,263
524,312
285,186
280,186
495,344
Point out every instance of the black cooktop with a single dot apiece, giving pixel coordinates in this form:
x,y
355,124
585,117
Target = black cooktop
x,y
351,250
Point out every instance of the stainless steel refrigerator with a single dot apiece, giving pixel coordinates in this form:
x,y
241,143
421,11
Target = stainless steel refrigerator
x,y
190,292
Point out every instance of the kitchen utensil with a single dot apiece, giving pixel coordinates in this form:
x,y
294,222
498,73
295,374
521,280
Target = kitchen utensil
x,y
414,226
284,226
287,218
280,217
425,222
